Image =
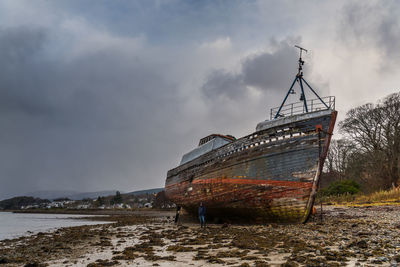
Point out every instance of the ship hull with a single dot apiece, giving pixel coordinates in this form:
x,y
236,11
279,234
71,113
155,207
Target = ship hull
x,y
269,176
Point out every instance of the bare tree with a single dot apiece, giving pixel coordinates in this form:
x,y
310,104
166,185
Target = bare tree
x,y
374,132
338,156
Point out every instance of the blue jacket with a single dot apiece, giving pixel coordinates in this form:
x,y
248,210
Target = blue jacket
x,y
202,211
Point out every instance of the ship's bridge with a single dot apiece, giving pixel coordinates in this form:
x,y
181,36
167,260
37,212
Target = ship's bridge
x,y
206,144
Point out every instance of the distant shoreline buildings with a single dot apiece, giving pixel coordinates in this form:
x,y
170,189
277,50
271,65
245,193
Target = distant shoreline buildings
x,y
117,201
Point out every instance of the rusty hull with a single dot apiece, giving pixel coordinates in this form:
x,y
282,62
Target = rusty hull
x,y
270,176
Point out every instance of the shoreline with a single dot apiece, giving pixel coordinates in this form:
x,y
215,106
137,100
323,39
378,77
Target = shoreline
x,y
143,212
347,236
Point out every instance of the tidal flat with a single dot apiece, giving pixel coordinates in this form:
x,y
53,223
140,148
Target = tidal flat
x,y
347,236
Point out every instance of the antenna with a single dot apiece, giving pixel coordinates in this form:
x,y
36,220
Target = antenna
x,y
301,49
301,61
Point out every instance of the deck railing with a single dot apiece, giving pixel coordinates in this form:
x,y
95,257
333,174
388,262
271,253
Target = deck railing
x,y
299,108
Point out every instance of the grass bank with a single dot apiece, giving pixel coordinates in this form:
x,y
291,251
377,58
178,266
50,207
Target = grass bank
x,y
383,197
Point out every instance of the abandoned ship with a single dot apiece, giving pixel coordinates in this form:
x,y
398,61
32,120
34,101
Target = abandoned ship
x,y
271,175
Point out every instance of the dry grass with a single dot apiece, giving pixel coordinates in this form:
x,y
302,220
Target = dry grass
x,y
383,197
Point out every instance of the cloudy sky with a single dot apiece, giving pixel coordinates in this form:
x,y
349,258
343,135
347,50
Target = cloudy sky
x,y
98,95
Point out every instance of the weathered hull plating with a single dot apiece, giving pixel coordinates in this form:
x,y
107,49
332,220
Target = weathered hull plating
x,y
270,176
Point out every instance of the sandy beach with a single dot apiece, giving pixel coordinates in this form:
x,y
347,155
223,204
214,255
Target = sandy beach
x,y
365,236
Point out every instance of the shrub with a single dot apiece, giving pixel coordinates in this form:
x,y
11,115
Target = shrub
x,y
342,187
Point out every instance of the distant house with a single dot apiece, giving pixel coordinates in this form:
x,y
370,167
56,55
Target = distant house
x,y
118,206
121,206
55,204
27,207
168,206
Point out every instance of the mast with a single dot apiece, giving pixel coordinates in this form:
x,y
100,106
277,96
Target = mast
x,y
299,78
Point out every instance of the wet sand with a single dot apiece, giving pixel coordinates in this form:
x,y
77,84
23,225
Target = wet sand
x,y
367,236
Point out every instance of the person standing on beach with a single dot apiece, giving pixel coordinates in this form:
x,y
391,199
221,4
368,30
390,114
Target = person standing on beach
x,y
202,215
178,211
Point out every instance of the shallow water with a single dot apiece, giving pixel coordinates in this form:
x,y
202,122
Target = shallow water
x,y
14,225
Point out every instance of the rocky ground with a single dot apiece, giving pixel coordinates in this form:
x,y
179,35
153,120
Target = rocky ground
x,y
367,236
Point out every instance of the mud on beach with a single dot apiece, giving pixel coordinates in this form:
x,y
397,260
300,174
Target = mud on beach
x,y
367,236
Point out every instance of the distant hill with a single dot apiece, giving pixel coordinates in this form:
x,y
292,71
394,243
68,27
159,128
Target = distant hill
x,y
73,195
17,202
147,191
79,196
50,194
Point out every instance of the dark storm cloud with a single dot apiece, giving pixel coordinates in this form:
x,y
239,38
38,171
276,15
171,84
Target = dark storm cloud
x,y
177,21
19,52
97,121
19,44
223,83
86,91
84,109
373,24
268,71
